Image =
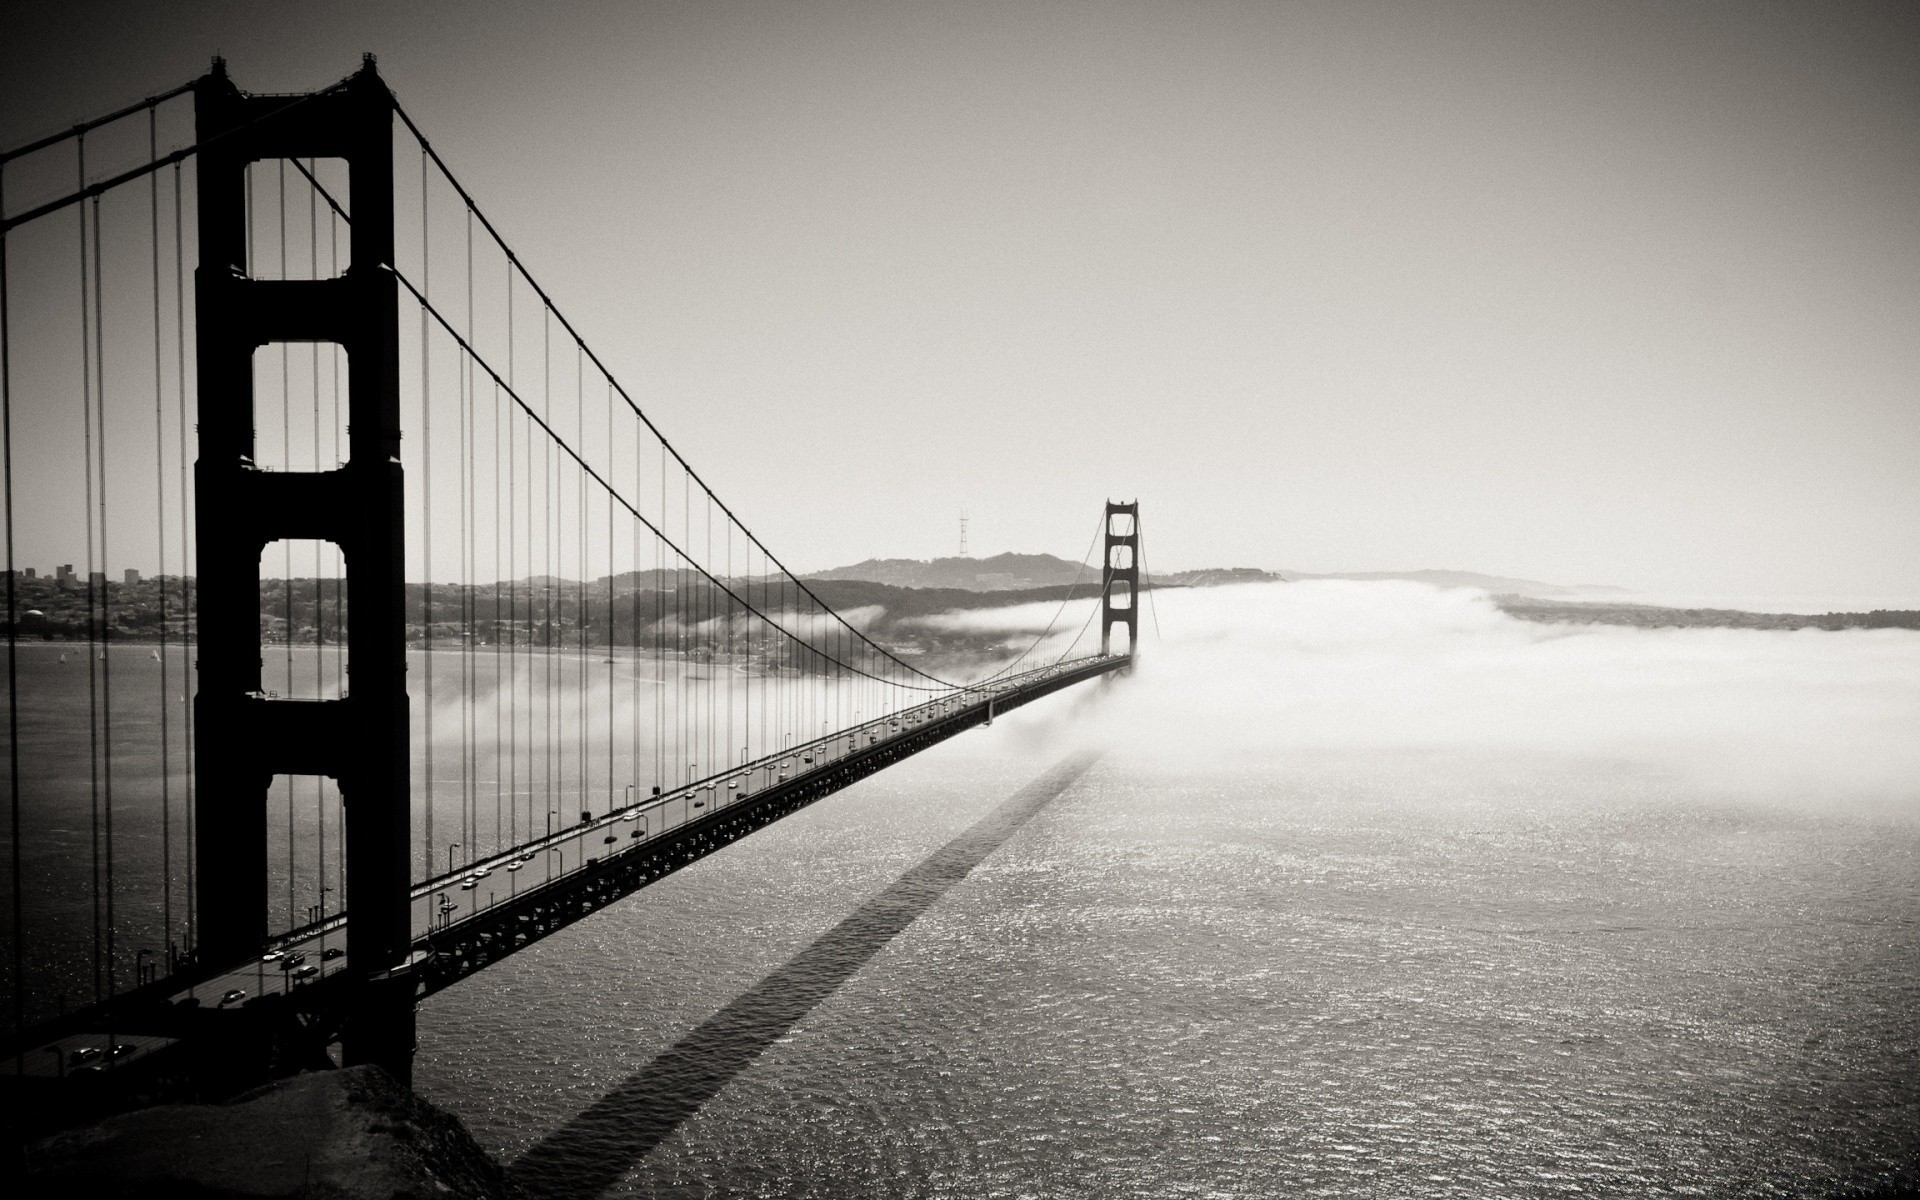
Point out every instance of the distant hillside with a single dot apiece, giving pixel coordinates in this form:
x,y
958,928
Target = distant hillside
x,y
1001,573
905,604
1648,616
1017,572
1472,579
1217,577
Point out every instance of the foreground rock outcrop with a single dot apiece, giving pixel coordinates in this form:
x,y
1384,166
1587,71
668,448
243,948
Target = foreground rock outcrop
x,y
348,1134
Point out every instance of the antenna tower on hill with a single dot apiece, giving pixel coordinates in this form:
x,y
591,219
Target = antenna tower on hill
x,y
963,533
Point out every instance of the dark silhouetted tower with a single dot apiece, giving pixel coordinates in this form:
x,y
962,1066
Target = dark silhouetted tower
x,y
1120,576
246,739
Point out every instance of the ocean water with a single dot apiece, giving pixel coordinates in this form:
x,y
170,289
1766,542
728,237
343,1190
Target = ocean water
x,y
1423,972
1371,891
106,832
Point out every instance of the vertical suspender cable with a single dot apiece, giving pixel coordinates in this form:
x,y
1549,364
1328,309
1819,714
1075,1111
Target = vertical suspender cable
x,y
580,560
548,519
186,528
766,667
86,451
160,531
106,596
714,753
660,742
286,544
467,773
339,586
683,710
499,668
612,641
319,570
639,573
556,641
17,922
513,597
427,536
730,603
426,525
1140,538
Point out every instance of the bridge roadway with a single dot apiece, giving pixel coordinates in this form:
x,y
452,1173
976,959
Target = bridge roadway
x,y
467,919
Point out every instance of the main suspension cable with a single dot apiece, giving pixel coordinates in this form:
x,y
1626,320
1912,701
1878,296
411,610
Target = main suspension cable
x,y
1057,613
633,511
85,127
514,259
516,267
86,191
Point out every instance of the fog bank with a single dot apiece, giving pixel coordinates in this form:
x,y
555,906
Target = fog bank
x,y
1266,669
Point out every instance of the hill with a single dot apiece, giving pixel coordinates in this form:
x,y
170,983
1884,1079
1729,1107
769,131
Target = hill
x,y
1019,572
1649,616
1218,577
1497,584
1001,573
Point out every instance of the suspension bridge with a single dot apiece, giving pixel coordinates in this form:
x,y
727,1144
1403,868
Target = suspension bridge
x,y
400,637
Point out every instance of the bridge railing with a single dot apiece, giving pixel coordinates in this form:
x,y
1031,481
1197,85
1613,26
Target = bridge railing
x,y
454,895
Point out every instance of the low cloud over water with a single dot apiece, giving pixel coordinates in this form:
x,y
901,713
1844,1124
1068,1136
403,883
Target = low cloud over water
x,y
1267,669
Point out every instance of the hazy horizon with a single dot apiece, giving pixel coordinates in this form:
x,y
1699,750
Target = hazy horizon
x,y
1618,293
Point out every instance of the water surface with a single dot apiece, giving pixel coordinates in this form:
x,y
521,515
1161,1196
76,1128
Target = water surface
x,y
1443,973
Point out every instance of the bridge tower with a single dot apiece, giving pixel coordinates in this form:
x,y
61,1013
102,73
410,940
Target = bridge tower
x,y
1120,576
245,739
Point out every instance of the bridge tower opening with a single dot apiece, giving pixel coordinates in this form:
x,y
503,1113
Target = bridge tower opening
x,y
246,739
1120,576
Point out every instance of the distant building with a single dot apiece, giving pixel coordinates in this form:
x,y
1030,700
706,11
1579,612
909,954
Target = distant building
x,y
97,579
131,577
63,574
31,573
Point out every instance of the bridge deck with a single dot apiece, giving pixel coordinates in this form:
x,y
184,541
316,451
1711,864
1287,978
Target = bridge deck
x,y
475,916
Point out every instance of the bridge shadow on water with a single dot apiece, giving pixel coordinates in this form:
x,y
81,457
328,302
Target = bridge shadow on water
x,y
598,1147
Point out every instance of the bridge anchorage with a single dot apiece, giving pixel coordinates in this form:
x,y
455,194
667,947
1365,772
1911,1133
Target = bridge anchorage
x,y
371,444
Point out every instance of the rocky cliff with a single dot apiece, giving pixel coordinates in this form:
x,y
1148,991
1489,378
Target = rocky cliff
x,y
353,1134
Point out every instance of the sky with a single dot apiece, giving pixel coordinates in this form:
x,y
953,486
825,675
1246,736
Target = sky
x,y
1618,293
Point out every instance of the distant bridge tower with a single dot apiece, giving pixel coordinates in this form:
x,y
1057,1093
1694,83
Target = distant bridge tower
x,y
246,739
1120,576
